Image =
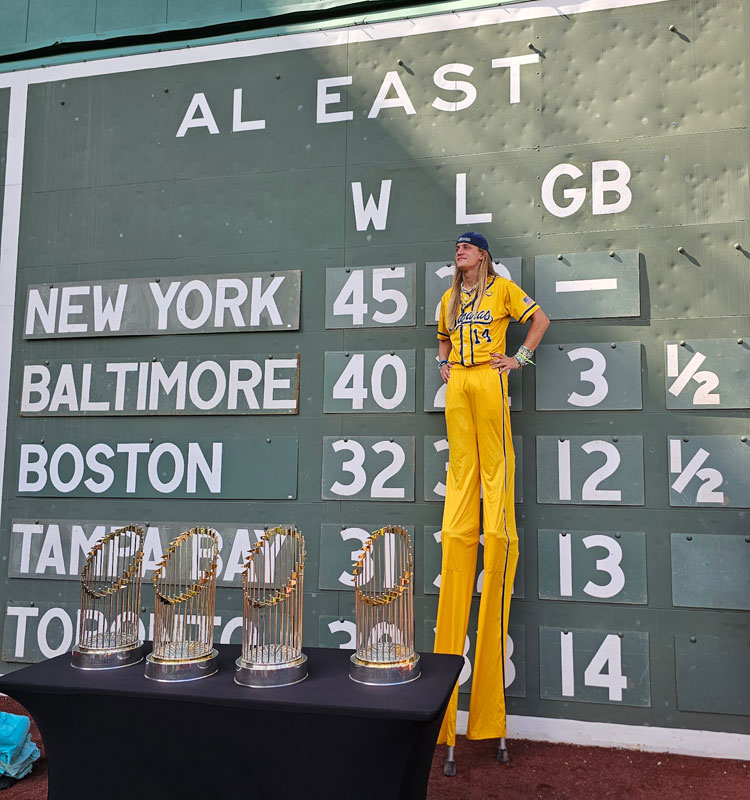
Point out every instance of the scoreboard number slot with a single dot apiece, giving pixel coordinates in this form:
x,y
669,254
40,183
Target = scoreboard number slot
x,y
376,469
369,381
366,297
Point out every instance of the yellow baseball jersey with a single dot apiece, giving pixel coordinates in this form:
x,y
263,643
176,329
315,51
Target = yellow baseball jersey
x,y
481,331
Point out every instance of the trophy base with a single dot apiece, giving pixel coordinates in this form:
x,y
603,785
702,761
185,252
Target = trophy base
x,y
178,671
107,659
388,674
265,676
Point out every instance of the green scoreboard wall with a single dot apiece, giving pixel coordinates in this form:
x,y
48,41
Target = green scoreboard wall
x,y
222,264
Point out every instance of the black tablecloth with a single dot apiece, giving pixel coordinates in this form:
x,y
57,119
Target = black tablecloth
x,y
116,734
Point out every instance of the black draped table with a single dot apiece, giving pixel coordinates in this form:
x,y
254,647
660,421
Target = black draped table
x,y
115,734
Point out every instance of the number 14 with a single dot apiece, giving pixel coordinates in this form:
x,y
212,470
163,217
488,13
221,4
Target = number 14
x,y
485,335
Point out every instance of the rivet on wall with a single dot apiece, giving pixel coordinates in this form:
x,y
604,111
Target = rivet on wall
x,y
740,341
611,253
613,345
743,438
559,257
737,246
683,343
681,250
673,28
693,639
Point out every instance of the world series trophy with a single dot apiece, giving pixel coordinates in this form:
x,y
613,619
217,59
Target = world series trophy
x,y
272,581
184,604
110,601
384,609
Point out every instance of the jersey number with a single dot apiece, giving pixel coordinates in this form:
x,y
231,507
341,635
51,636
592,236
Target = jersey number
x,y
485,335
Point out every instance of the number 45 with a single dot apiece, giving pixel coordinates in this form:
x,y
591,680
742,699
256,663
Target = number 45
x,y
351,299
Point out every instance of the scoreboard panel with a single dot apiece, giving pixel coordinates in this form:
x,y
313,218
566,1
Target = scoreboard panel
x,y
298,199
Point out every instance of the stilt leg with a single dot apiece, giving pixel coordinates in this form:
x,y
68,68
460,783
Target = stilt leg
x,y
449,767
502,752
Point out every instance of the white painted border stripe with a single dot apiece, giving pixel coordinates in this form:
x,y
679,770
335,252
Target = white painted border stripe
x,y
592,285
680,741
9,246
304,41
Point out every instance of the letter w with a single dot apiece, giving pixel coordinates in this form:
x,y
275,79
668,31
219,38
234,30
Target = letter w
x,y
377,214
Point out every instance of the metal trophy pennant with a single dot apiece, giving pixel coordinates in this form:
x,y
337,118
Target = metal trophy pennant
x,y
384,607
108,628
272,581
184,604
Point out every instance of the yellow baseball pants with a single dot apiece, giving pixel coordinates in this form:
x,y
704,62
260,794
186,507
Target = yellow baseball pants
x,y
478,422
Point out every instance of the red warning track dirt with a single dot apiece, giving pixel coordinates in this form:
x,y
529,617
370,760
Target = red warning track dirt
x,y
542,771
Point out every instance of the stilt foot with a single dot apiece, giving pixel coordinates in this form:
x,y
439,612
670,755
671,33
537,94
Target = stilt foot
x,y
503,757
449,766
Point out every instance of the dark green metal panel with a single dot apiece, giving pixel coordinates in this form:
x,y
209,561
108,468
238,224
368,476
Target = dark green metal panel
x,y
708,373
366,467
596,567
216,304
577,377
255,384
251,468
51,21
709,471
710,570
111,15
111,192
712,673
338,632
590,470
342,545
383,295
593,666
369,381
589,285
56,549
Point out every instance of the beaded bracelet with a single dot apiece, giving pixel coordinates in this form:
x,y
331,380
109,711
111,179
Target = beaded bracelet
x,y
523,356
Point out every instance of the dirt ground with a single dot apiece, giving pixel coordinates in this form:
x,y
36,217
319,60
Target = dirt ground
x,y
542,771
537,771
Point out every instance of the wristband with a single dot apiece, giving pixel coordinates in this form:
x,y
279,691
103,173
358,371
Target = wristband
x,y
523,356
442,363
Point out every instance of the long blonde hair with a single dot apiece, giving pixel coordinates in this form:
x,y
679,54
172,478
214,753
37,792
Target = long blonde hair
x,y
486,271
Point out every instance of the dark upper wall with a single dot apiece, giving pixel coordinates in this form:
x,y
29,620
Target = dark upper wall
x,y
35,28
